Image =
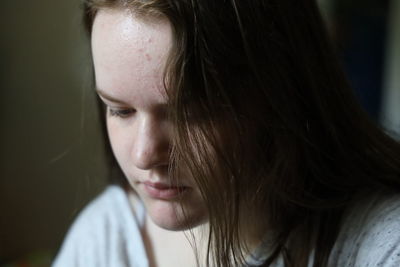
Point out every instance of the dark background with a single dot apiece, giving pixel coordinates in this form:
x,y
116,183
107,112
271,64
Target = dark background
x,y
51,156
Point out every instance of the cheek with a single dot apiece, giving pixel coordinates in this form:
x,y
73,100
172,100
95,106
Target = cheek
x,y
119,142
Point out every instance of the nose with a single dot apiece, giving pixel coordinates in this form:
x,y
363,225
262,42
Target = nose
x,y
151,144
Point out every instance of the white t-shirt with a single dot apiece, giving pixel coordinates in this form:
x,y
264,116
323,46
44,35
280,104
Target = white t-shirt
x,y
107,233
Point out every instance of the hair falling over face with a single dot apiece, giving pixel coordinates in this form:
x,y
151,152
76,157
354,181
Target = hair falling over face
x,y
266,123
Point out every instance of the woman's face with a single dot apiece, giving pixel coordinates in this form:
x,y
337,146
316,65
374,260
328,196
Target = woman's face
x,y
129,57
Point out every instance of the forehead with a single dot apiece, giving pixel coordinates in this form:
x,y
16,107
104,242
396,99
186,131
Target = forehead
x,y
129,52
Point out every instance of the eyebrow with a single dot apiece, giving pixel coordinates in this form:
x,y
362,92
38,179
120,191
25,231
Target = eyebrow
x,y
104,95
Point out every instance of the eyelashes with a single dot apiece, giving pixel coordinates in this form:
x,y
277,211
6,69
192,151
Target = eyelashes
x,y
121,112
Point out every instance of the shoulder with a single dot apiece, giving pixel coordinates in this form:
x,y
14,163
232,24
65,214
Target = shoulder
x,y
103,210
106,230
370,234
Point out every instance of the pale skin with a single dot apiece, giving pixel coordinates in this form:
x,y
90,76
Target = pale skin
x,y
129,55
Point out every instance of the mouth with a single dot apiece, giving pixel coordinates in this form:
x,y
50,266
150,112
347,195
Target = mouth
x,y
163,191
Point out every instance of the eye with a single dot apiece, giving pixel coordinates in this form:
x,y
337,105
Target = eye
x,y
121,112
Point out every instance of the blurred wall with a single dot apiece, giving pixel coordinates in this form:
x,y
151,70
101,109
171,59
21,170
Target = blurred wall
x,y
390,115
50,159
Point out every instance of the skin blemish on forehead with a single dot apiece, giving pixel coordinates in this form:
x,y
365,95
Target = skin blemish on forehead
x,y
129,54
148,57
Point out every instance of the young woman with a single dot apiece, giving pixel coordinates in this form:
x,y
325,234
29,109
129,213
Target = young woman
x,y
240,141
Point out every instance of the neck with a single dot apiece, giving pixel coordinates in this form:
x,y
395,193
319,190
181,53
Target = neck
x,y
157,239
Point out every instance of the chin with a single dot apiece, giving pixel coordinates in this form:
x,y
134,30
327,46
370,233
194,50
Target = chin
x,y
170,215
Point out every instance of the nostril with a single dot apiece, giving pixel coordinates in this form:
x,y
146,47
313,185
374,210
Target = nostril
x,y
150,155
143,158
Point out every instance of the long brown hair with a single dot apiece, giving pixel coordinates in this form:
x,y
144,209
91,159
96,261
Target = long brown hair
x,y
264,118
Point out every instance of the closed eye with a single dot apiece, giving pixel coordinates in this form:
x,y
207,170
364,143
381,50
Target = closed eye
x,y
121,112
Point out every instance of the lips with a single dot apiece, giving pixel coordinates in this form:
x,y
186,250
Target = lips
x,y
163,191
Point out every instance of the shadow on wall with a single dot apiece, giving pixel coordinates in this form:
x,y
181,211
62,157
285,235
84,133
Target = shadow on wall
x,y
368,39
51,153
361,31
